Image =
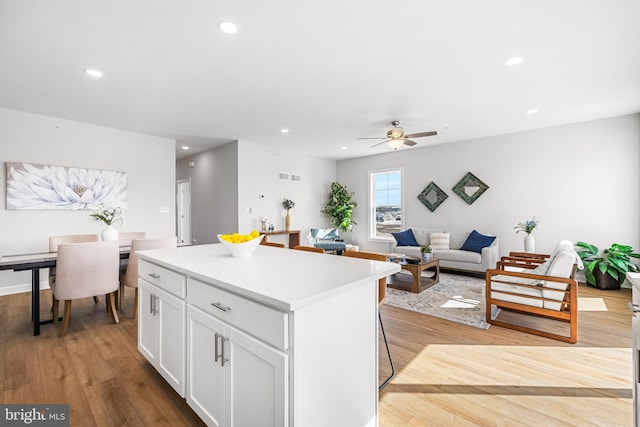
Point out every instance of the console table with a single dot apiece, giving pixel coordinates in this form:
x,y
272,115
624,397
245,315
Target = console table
x,y
294,236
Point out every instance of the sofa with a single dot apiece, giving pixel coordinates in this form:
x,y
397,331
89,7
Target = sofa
x,y
454,256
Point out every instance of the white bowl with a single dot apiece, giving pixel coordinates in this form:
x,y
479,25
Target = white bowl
x,y
241,250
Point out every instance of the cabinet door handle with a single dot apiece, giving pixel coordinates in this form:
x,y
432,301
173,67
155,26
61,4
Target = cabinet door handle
x,y
150,303
634,308
215,351
222,352
221,306
154,275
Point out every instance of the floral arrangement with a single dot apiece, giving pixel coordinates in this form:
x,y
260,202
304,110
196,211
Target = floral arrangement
x,y
527,226
288,204
108,216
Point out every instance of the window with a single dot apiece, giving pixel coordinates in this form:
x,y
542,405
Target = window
x,y
385,203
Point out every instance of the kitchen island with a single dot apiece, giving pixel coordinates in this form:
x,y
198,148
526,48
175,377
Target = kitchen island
x,y
283,338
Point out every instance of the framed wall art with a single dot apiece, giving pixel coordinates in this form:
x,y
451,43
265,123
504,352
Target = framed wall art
x,y
36,187
432,196
469,188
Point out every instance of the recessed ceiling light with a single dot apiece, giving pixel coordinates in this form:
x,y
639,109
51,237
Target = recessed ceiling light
x,y
284,130
513,61
227,27
532,111
93,73
343,148
184,147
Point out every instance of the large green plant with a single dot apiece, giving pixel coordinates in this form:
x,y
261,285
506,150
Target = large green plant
x,y
615,261
339,207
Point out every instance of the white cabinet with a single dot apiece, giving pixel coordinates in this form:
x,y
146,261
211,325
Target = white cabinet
x,y
233,379
265,341
161,332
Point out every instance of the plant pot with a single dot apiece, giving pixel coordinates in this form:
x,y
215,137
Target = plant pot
x,y
109,233
529,243
606,281
426,256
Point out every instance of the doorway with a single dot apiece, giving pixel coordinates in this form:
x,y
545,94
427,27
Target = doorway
x,y
183,211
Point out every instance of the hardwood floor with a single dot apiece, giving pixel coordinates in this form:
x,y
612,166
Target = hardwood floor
x,y
447,374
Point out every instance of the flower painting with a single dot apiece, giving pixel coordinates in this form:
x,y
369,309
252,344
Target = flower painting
x,y
31,186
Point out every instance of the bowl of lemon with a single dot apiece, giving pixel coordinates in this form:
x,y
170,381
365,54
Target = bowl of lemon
x,y
241,245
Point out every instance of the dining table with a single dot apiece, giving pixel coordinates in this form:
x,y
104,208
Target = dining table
x,y
35,262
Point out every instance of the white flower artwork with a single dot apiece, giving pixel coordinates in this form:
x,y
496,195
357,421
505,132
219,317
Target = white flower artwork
x,y
31,186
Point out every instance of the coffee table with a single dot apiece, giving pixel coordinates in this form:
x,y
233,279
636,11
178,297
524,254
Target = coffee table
x,y
419,283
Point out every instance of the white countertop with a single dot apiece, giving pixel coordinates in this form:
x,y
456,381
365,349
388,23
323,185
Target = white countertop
x,y
283,278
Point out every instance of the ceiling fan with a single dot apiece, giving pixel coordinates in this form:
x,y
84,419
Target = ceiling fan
x,y
396,138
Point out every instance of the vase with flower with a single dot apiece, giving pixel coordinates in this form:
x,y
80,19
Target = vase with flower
x,y
288,204
528,227
109,217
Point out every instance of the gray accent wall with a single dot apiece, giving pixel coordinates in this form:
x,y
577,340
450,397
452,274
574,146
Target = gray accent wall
x,y
214,191
579,180
148,161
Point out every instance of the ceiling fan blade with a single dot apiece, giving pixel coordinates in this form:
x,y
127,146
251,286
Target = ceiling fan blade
x,y
409,142
379,143
373,137
421,134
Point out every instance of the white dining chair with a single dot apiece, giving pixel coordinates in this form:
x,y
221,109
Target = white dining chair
x,y
84,270
130,277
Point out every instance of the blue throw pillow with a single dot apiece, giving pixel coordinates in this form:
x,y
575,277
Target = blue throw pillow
x,y
476,241
405,238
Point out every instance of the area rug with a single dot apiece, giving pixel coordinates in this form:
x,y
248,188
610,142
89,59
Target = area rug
x,y
456,298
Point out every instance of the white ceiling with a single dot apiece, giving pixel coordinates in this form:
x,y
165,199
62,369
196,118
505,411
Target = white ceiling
x,y
330,71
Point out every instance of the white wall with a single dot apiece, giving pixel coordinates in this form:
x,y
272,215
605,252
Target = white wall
x,y
258,173
149,162
580,181
214,191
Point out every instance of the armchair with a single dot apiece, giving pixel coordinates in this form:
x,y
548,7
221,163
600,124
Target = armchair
x,y
326,238
542,286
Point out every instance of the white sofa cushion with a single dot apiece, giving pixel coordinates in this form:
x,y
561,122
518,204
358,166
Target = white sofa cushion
x,y
422,234
561,266
439,240
458,255
534,292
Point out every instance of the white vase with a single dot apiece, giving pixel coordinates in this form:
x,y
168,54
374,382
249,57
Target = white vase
x,y
109,233
426,256
529,243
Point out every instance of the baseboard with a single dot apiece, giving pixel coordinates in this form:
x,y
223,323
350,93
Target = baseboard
x,y
18,289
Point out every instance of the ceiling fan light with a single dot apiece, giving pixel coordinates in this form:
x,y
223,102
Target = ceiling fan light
x,y
396,132
395,143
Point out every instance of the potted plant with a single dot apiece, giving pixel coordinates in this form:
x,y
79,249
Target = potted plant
x,y
528,227
339,207
108,216
607,269
426,253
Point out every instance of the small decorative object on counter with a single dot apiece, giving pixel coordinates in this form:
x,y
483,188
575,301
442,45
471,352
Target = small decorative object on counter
x,y
264,223
241,245
271,228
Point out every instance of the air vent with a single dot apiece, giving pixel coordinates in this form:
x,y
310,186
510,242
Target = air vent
x,y
284,175
295,177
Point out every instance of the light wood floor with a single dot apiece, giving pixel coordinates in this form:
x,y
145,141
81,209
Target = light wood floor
x,y
447,374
